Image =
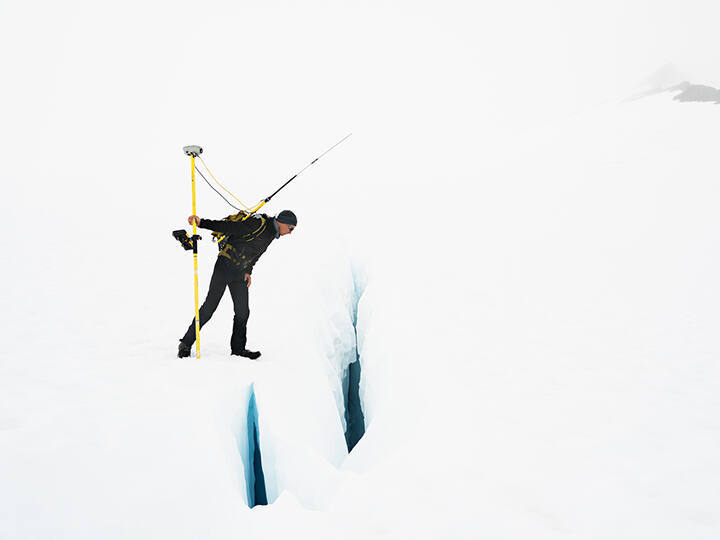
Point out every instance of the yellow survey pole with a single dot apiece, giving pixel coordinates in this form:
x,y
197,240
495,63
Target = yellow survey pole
x,y
194,151
197,298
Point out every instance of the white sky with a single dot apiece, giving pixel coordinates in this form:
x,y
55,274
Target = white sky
x,y
97,80
71,47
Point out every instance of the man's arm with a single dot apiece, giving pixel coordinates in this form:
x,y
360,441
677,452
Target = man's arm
x,y
222,226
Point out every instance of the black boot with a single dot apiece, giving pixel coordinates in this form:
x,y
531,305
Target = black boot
x,y
183,350
252,355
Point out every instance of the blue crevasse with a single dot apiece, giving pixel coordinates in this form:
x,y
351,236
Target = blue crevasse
x,y
354,417
255,478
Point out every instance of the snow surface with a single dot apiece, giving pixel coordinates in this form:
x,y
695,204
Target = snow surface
x,y
536,310
541,362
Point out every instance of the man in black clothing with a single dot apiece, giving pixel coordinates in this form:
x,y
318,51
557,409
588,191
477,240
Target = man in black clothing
x,y
241,240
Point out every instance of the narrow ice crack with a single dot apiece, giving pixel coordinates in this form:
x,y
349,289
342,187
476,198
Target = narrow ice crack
x,y
257,495
354,416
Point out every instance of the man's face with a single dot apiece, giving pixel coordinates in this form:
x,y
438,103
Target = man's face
x,y
284,228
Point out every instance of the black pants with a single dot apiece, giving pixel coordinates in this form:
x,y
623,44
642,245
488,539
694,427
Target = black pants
x,y
224,276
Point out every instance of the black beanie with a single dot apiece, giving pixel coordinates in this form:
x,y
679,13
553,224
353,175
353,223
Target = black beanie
x,y
287,217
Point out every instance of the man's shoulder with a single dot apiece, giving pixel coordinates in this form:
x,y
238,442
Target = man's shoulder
x,y
248,221
254,226
259,220
240,216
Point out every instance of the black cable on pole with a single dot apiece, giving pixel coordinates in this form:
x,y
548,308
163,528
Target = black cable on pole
x,y
281,187
216,191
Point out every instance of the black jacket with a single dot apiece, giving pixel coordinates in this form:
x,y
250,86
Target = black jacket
x,y
245,240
